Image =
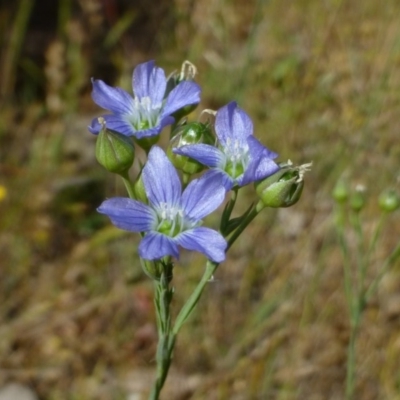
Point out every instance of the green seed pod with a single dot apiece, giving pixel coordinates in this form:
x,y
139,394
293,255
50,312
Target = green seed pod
x,y
284,188
191,133
115,152
340,192
389,201
358,198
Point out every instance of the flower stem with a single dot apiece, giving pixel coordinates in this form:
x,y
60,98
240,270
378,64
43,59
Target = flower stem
x,y
194,297
128,185
351,355
166,338
252,214
394,255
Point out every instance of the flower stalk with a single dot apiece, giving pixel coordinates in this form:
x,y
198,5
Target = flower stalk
x,y
166,337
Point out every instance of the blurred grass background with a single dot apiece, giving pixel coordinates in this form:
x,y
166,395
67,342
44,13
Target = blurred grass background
x,y
321,80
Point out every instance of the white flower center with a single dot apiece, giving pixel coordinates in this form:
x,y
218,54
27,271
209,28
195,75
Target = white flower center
x,y
237,157
145,115
172,220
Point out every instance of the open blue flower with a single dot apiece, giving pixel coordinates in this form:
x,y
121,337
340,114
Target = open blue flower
x,y
171,218
148,112
240,158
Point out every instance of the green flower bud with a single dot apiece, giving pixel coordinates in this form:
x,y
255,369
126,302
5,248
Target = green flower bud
x,y
191,133
284,188
115,152
341,192
389,201
358,199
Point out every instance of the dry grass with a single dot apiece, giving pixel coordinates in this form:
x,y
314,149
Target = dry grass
x,y
322,82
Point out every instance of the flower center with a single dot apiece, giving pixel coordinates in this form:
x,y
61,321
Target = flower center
x,y
144,114
237,157
171,220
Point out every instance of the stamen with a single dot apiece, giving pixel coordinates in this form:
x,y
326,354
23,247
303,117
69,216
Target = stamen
x,y
188,71
173,219
302,170
146,113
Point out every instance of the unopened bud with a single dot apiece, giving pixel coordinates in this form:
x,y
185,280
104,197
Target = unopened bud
x,y
191,133
284,188
340,192
358,198
389,201
115,152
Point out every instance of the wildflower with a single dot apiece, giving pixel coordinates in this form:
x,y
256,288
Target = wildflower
x,y
171,218
149,111
240,158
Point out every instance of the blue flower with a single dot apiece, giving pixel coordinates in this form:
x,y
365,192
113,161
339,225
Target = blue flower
x,y
240,158
171,218
149,111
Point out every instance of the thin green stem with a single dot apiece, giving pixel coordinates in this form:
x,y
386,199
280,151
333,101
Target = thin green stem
x,y
190,304
128,185
351,358
386,265
340,226
231,204
352,298
253,213
377,233
166,338
362,262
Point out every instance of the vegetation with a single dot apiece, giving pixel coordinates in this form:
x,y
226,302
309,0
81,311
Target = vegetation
x,y
321,81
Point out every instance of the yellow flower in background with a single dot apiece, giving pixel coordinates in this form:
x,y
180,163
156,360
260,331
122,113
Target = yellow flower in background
x,y
3,192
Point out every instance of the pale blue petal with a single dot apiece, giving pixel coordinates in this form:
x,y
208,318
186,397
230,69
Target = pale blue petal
x,y
128,214
202,196
256,148
186,93
111,98
156,245
203,153
161,181
149,81
114,122
227,181
204,240
232,123
261,163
